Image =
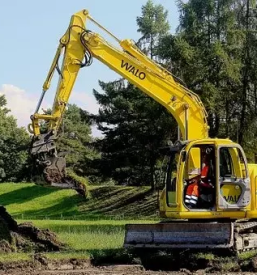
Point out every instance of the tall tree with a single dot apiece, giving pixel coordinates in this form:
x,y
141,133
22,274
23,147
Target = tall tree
x,y
247,128
152,25
135,126
214,52
138,128
76,140
14,144
206,54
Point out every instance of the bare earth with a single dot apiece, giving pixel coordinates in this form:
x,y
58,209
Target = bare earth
x,y
79,267
114,270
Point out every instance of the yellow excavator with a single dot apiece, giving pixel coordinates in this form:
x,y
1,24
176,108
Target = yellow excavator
x,y
209,199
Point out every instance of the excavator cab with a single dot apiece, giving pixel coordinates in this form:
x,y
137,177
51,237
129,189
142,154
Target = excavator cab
x,y
205,176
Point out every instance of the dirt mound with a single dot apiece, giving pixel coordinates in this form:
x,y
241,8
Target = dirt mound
x,y
25,237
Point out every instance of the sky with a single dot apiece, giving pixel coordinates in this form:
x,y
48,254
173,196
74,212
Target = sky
x,y
30,31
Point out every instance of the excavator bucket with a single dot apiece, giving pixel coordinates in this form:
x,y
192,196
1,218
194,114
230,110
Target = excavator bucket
x,y
179,235
49,168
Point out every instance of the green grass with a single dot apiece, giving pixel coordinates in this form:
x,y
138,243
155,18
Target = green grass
x,y
29,201
207,256
14,257
67,255
92,227
86,235
87,239
89,235
247,255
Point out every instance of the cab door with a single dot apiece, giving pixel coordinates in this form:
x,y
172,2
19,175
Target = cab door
x,y
233,190
174,179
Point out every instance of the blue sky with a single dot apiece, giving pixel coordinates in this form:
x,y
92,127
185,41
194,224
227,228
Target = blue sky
x,y
30,31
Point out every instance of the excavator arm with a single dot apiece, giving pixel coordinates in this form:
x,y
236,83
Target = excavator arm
x,y
78,47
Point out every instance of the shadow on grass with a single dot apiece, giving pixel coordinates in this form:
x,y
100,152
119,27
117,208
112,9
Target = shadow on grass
x,y
106,201
25,194
67,207
130,195
120,201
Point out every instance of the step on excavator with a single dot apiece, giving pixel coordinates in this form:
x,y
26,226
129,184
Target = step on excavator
x,y
209,199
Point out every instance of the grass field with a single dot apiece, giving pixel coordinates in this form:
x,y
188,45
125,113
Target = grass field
x,y
92,227
89,238
28,201
84,239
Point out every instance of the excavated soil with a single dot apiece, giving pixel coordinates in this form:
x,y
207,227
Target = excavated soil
x,y
25,237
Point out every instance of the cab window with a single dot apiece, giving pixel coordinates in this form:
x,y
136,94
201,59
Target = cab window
x,y
226,166
232,163
171,179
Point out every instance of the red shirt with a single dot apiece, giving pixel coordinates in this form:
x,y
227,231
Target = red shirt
x,y
204,171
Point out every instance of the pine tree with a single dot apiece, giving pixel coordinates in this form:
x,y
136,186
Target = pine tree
x,y
152,25
139,126
206,54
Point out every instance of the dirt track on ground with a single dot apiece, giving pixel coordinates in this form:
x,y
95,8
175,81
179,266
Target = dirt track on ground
x,y
75,267
42,266
91,271
106,270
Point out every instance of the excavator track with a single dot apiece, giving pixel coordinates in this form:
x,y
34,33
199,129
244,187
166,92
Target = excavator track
x,y
238,236
245,237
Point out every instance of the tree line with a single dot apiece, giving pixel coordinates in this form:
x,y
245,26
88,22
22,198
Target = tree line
x,y
213,52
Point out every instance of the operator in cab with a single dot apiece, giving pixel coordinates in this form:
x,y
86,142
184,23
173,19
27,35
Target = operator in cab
x,y
199,189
